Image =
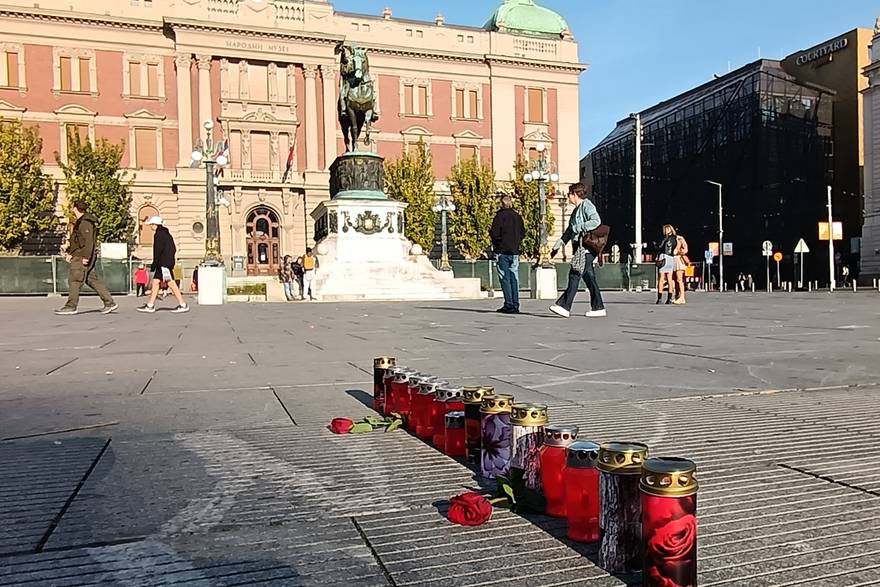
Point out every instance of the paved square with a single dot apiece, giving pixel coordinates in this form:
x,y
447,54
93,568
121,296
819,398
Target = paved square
x,y
193,450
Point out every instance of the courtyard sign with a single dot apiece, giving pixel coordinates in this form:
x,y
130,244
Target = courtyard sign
x,y
820,52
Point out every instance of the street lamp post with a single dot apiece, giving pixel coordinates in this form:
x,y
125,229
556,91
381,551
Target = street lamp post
x,y
444,206
541,173
563,204
720,237
204,153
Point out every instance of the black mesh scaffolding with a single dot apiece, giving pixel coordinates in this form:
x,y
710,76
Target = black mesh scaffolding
x,y
764,136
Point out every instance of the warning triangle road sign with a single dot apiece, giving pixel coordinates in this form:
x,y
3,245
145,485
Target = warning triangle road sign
x,y
802,247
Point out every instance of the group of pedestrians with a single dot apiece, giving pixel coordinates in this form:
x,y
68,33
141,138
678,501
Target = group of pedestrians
x,y
298,277
672,262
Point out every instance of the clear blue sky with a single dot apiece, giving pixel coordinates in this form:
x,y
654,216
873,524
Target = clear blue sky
x,y
643,51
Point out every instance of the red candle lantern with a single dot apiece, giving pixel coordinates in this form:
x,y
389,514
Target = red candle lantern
x,y
455,438
381,365
390,374
473,397
446,399
582,491
397,400
620,519
527,436
556,439
669,522
413,386
422,409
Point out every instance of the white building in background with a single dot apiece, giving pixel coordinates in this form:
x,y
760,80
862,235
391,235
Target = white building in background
x,y
870,267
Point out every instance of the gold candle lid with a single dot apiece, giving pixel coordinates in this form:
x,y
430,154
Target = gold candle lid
x,y
384,362
474,394
528,414
496,404
669,477
488,389
622,458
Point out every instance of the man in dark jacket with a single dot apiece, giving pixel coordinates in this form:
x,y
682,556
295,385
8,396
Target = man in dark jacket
x,y
162,267
507,233
82,254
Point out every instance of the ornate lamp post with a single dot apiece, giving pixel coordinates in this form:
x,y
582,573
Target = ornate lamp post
x,y
541,172
444,206
563,203
204,153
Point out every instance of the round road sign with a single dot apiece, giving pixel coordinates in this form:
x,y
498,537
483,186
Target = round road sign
x,y
777,257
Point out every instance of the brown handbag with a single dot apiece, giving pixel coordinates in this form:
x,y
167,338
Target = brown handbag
x,y
595,240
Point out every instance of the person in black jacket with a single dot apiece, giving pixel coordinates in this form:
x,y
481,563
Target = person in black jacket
x,y
82,254
164,252
507,233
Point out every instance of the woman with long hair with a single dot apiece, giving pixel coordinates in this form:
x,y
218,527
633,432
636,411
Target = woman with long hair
x,y
666,263
681,264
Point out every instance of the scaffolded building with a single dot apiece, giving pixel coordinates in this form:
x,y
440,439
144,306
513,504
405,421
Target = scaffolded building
x,y
760,133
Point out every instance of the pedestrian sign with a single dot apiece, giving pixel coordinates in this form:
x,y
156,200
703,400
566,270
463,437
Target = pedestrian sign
x,y
801,247
767,248
709,256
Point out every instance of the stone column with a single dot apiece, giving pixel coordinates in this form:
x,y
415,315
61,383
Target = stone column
x,y
183,61
311,72
328,74
204,64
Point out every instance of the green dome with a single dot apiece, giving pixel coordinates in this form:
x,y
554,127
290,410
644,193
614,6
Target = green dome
x,y
526,17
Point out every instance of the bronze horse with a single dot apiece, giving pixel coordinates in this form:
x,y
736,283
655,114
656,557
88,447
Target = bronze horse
x,y
357,95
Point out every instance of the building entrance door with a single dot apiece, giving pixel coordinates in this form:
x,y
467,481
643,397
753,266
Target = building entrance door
x,y
263,242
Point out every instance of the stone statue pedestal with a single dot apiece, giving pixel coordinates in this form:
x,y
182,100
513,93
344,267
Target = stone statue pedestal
x,y
363,253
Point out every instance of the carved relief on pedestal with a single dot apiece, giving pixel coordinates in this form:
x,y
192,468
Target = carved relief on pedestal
x,y
285,200
273,151
236,198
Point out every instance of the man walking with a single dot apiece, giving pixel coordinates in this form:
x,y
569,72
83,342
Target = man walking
x,y
507,234
164,251
309,265
82,254
584,218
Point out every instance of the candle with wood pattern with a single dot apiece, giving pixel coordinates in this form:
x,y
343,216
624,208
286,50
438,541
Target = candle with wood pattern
x,y
527,435
669,522
620,518
473,398
495,430
446,399
556,439
381,365
582,491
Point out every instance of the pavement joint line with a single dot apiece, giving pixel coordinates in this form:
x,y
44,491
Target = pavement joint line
x,y
357,336
253,360
149,381
108,343
61,431
752,548
238,338
789,569
310,343
445,341
283,407
829,479
569,369
61,366
168,352
376,557
694,356
356,366
54,523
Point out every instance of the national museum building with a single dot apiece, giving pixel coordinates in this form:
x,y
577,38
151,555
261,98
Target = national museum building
x,y
775,133
151,73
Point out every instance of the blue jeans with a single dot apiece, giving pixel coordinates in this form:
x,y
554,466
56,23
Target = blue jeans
x,y
566,300
288,290
508,271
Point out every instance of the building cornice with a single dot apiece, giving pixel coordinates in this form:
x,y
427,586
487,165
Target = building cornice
x,y
536,63
44,15
243,30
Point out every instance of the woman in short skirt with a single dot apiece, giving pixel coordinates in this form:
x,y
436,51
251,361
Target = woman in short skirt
x,y
666,264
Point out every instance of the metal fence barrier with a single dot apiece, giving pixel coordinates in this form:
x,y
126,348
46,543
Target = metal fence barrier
x,y
48,275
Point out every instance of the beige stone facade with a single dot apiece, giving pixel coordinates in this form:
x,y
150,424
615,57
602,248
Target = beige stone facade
x,y
151,72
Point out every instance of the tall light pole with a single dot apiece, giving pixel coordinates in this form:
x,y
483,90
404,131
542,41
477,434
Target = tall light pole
x,y
444,206
720,237
204,153
541,173
638,177
831,276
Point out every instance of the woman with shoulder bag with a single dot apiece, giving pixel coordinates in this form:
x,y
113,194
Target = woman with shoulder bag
x,y
666,263
681,264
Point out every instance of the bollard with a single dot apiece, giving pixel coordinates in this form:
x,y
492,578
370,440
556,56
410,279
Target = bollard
x,y
473,398
810,286
422,408
669,522
620,519
526,438
553,456
495,431
753,288
446,399
582,504
382,367
456,443
854,286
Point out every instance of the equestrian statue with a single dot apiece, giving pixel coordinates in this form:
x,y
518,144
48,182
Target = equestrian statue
x,y
358,97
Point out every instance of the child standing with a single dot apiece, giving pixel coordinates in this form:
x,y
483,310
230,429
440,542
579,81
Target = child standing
x,y
141,279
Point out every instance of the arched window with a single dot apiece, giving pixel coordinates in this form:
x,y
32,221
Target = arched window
x,y
145,234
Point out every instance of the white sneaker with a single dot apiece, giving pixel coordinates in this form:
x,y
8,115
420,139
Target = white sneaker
x,y
147,308
560,311
597,313
181,309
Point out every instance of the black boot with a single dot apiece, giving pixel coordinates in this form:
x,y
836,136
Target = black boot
x,y
659,298
668,298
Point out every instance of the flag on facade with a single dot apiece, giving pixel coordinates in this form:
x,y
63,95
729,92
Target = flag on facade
x,y
289,165
222,149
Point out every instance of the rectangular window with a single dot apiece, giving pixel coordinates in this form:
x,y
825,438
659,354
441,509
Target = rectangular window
x,y
473,102
134,78
423,100
258,80
153,80
408,100
145,148
77,131
9,78
467,152
260,151
536,105
84,75
66,74
459,104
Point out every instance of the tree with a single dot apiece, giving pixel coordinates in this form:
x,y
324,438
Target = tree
x,y
472,185
410,179
95,176
526,201
27,195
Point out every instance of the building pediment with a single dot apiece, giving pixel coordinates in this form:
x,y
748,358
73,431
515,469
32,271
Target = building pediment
x,y
538,136
144,114
10,109
259,116
467,135
75,110
415,130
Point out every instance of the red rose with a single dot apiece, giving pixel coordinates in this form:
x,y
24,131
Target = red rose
x,y
469,509
341,425
675,540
